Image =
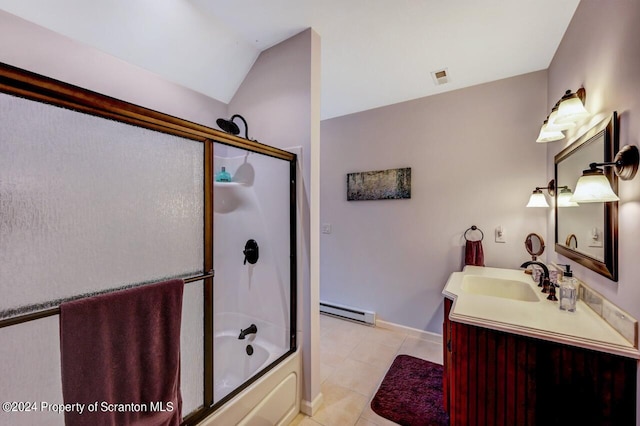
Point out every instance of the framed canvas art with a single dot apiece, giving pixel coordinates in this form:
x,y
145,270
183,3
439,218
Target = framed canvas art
x,y
389,184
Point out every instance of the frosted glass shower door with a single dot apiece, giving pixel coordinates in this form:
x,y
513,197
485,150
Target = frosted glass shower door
x,y
255,205
97,195
88,206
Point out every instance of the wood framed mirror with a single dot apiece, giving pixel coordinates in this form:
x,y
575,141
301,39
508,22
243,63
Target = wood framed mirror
x,y
595,225
534,245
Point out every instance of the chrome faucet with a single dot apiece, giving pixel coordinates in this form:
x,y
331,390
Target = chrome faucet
x,y
252,329
545,283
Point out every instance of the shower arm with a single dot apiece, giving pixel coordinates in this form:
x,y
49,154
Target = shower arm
x,y
246,126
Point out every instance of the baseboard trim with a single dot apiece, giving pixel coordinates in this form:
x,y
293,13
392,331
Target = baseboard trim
x,y
311,408
413,332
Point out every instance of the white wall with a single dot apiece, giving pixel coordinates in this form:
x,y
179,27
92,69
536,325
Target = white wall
x,y
37,49
474,161
600,52
160,45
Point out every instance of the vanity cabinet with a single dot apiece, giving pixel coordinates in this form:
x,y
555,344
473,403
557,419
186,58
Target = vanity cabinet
x,y
446,356
497,378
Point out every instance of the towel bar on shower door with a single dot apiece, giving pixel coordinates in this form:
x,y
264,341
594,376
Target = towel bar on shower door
x,y
34,312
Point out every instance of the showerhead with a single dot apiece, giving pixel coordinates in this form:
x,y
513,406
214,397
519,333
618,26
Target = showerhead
x,y
228,126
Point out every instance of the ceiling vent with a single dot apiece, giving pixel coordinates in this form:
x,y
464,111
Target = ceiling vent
x,y
440,76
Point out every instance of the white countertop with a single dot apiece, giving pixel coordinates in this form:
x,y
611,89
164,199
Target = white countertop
x,y
543,320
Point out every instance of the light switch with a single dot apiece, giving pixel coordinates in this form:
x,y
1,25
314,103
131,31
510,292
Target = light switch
x,y
326,228
500,235
594,238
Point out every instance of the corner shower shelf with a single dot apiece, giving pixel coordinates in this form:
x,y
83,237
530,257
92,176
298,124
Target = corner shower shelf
x,y
228,184
227,196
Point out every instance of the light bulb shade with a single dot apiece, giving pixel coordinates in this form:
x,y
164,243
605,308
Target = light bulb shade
x,y
537,199
571,109
564,198
547,135
593,187
553,125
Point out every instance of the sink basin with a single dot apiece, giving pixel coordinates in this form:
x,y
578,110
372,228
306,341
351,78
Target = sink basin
x,y
499,287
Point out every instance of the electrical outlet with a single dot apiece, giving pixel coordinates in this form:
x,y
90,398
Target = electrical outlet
x,y
326,228
500,235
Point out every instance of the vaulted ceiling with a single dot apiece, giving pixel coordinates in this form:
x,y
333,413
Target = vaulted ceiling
x,y
374,52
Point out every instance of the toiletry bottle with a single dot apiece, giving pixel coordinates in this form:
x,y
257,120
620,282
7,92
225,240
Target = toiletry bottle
x,y
223,176
568,290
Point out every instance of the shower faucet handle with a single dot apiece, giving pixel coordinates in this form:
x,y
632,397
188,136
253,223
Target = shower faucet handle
x,y
251,252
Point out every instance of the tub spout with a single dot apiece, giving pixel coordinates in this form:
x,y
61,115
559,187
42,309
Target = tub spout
x,y
252,329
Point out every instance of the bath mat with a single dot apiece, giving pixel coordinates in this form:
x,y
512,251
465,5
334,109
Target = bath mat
x,y
411,393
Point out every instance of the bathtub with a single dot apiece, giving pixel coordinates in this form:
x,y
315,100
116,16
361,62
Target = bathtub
x,y
273,399
232,364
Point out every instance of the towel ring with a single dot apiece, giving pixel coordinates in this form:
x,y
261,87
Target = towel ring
x,y
474,228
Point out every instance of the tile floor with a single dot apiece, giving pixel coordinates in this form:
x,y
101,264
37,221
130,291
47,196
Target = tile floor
x,y
353,361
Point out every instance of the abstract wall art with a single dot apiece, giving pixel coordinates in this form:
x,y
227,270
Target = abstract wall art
x,y
389,184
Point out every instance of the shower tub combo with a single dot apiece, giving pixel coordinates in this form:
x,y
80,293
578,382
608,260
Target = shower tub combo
x,y
272,399
256,363
239,358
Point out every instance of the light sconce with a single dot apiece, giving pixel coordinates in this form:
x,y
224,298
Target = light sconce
x,y
571,108
564,197
564,115
552,121
594,187
538,199
548,135
229,126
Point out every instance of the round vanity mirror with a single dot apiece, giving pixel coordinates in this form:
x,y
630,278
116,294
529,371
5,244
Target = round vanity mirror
x,y
534,245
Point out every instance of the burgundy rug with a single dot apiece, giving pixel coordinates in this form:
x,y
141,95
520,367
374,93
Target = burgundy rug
x,y
411,393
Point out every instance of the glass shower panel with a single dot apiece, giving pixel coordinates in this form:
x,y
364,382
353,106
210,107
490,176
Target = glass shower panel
x,y
191,343
88,204
255,205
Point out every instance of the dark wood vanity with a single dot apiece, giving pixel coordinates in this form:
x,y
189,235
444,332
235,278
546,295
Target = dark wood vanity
x,y
498,378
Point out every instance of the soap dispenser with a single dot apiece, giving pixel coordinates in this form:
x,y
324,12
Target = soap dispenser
x,y
568,290
223,176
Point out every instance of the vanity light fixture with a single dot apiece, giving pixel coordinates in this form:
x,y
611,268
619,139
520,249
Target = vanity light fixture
x,y
594,187
552,121
229,126
547,135
564,115
564,197
571,107
538,199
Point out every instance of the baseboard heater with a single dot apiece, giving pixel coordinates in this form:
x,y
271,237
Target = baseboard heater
x,y
345,312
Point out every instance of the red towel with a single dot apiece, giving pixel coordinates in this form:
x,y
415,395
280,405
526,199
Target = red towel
x,y
120,356
473,254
